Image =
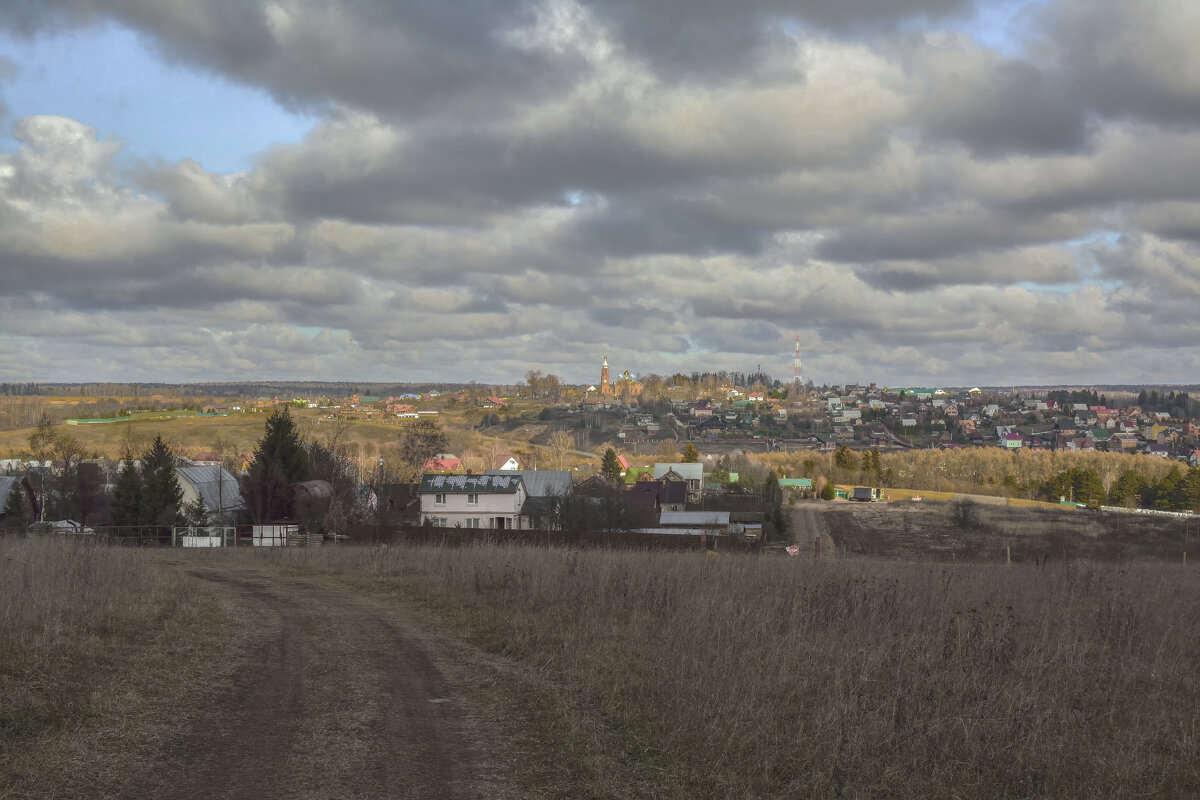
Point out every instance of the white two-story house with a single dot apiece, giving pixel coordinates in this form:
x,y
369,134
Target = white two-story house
x,y
472,501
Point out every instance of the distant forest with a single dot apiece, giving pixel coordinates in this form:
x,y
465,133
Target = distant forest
x,y
230,389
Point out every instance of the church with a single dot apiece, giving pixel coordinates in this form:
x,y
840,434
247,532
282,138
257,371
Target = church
x,y
625,387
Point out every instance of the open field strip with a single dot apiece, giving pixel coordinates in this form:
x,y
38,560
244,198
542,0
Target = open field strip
x,y
633,674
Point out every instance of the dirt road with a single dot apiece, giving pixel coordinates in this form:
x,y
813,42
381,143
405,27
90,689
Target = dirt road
x,y
808,527
333,698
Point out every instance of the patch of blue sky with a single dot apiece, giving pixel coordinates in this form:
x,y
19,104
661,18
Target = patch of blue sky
x,y
1067,288
1082,251
308,331
1004,26
107,77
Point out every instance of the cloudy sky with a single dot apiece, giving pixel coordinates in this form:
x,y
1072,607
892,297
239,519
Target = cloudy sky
x,y
926,191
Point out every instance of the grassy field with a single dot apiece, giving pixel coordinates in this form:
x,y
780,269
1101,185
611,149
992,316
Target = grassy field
x,y
679,675
997,532
241,431
100,649
676,675
187,434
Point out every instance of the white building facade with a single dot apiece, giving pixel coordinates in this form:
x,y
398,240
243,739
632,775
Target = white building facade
x,y
472,501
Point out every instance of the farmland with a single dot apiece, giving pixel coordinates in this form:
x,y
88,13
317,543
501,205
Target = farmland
x,y
994,532
592,673
239,431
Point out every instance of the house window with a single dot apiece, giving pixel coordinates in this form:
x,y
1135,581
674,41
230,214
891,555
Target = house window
x,y
473,522
472,499
439,499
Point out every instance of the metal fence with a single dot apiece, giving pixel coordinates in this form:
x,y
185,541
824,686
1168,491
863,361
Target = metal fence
x,y
375,535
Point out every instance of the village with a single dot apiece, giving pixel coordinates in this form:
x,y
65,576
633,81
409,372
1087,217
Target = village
x,y
685,455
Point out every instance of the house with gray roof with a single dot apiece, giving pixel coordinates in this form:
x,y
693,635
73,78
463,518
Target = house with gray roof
x,y
540,482
690,473
545,490
473,501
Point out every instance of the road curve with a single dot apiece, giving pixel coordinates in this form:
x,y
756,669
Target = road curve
x,y
333,699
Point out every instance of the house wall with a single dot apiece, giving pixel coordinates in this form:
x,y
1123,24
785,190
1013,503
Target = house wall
x,y
457,512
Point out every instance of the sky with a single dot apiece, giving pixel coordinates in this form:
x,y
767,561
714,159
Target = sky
x,y
926,192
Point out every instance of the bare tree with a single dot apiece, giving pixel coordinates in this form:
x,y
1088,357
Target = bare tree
x,y
561,444
68,452
40,443
337,435
418,444
132,444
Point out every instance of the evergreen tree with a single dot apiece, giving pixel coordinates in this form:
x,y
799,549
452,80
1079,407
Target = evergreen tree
x,y
16,510
162,495
690,454
1127,488
1088,487
1189,491
195,513
773,496
845,458
279,461
1165,495
610,467
127,497
281,447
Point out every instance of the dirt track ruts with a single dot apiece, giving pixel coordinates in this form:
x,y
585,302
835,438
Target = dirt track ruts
x,y
332,699
808,524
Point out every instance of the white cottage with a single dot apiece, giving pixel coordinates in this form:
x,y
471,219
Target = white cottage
x,y
472,501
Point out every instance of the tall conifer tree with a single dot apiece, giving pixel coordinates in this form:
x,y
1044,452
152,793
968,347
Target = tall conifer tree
x,y
279,461
127,497
162,495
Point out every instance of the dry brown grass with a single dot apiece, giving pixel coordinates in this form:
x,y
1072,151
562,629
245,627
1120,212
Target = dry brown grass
x,y
1018,502
909,494
100,649
241,432
675,675
680,675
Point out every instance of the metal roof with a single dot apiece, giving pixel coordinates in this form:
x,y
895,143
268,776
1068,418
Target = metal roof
x,y
219,489
507,483
688,471
694,518
540,482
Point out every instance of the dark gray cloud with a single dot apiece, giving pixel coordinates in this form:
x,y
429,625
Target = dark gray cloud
x,y
1008,107
1128,59
406,59
496,185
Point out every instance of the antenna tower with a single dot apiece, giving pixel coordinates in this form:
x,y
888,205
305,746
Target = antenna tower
x,y
796,363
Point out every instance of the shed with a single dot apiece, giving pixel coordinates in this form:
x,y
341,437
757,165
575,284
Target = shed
x,y
717,521
219,489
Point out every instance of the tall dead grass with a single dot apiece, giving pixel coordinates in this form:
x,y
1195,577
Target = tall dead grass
x,y
681,675
98,648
